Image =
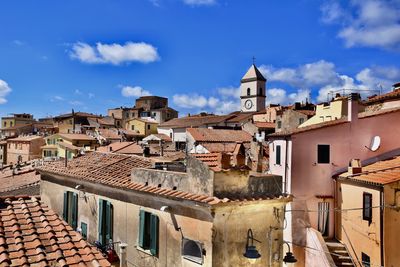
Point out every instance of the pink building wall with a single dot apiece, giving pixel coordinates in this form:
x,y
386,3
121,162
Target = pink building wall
x,y
308,179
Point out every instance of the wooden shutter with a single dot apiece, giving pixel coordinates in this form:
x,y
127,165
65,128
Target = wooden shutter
x,y
65,208
74,223
141,228
153,234
100,216
109,221
278,154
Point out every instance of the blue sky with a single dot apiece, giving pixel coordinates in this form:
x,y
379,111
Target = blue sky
x,y
94,55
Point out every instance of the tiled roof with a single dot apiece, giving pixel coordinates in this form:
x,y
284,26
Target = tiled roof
x,y
77,114
23,178
109,133
395,94
238,117
71,137
217,135
33,235
310,127
253,74
162,137
115,170
380,173
306,112
223,147
193,121
26,138
260,124
143,120
68,146
213,160
122,148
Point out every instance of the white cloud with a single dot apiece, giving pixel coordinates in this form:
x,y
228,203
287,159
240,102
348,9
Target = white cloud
x,y
190,101
200,2
78,92
372,23
5,89
227,92
76,103
115,54
91,95
312,74
18,43
136,91
323,76
280,96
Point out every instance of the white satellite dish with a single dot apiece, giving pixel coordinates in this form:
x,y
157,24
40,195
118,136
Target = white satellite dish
x,y
375,143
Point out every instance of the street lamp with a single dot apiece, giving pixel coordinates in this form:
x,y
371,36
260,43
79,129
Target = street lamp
x,y
289,257
251,252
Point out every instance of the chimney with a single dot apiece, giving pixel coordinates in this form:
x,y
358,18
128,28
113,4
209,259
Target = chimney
x,y
354,167
396,86
352,107
225,161
110,148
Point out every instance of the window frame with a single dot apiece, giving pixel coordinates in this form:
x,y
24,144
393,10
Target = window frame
x,y
278,155
320,158
365,209
365,260
198,260
149,232
105,221
70,208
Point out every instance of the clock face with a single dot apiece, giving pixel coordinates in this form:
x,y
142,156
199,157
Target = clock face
x,y
248,104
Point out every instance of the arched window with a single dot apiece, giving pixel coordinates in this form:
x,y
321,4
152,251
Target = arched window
x,y
260,91
248,91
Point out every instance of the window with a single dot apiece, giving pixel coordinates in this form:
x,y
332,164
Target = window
x,y
278,155
366,260
11,123
70,209
148,126
323,154
248,91
84,230
367,207
301,120
105,221
192,250
133,127
260,91
148,232
323,218
279,124
5,124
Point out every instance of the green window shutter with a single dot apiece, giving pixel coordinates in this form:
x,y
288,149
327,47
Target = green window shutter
x,y
109,221
100,215
154,234
65,208
141,228
74,211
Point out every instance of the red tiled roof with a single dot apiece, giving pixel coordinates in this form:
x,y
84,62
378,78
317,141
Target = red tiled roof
x,y
261,124
23,178
77,114
122,148
214,135
193,121
241,117
115,170
395,94
26,138
162,137
109,133
33,235
223,147
213,160
71,137
380,173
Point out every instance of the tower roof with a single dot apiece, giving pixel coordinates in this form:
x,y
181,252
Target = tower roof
x,y
253,74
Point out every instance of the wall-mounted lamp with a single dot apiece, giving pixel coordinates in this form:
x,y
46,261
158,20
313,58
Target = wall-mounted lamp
x,y
251,252
80,188
289,257
165,208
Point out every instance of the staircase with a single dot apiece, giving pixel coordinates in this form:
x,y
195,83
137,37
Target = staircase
x,y
339,254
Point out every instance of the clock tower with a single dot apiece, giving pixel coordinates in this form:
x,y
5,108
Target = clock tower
x,y
252,91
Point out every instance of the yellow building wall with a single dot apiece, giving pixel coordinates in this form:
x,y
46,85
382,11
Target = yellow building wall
x,y
353,230
152,130
391,230
138,126
6,123
335,110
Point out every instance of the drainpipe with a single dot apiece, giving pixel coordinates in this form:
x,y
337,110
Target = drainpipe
x,y
382,210
122,255
286,165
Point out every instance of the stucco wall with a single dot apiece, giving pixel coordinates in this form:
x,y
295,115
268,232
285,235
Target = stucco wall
x,y
231,225
318,254
126,227
361,235
391,220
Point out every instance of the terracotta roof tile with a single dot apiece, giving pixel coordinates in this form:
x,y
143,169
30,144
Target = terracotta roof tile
x,y
217,135
193,121
395,94
260,124
23,178
122,148
33,235
115,170
379,173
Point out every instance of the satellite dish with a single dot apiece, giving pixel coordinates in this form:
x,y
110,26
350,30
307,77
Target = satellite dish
x,y
375,143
